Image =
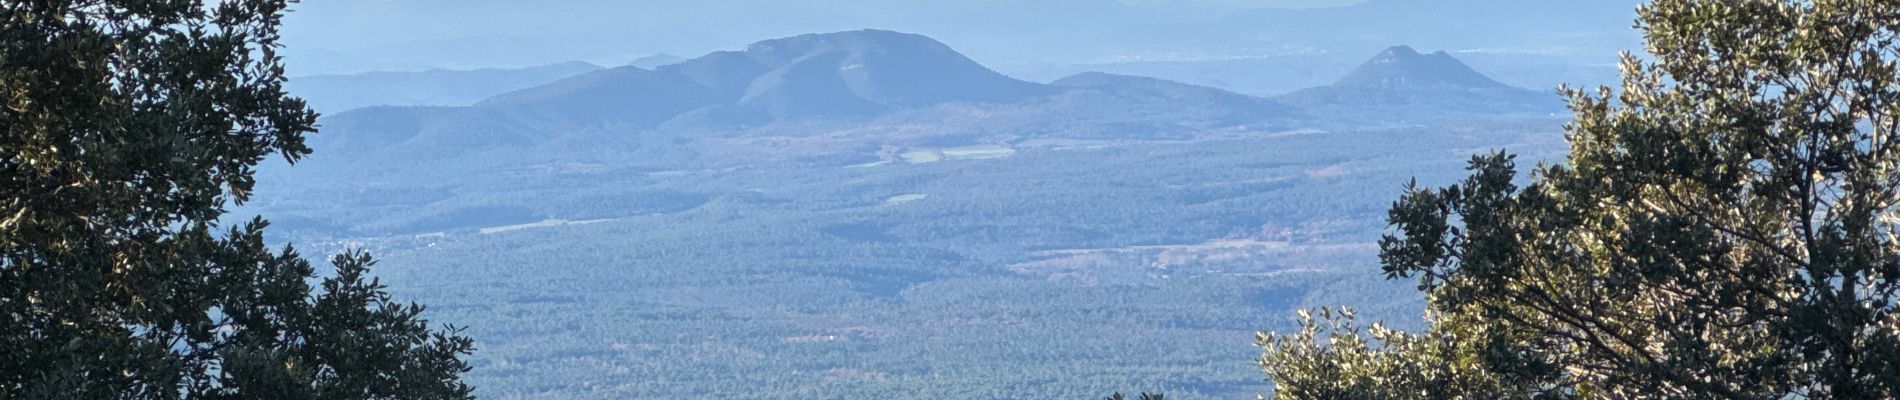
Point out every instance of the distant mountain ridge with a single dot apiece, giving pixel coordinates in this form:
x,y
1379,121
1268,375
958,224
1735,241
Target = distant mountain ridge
x,y
1207,103
622,96
847,92
843,80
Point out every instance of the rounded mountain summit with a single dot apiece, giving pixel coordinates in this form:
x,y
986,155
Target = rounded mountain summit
x,y
863,72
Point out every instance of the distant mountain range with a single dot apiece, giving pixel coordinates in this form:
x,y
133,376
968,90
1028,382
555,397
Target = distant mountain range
x,y
905,89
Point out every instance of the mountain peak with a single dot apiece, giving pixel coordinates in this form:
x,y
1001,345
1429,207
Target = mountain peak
x,y
851,72
1402,67
857,40
1397,52
655,60
843,74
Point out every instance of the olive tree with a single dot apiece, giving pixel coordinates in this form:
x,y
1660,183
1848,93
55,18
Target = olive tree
x,y
1724,228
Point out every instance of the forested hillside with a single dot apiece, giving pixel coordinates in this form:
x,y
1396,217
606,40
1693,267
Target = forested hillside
x,y
818,221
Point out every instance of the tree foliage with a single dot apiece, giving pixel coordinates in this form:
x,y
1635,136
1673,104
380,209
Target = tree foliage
x,y
128,126
1725,228
1331,356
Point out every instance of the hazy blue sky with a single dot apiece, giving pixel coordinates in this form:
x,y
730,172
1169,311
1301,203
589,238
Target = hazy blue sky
x,y
327,36
406,34
340,23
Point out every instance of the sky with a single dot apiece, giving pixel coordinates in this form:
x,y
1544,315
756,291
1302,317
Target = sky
x,y
347,36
